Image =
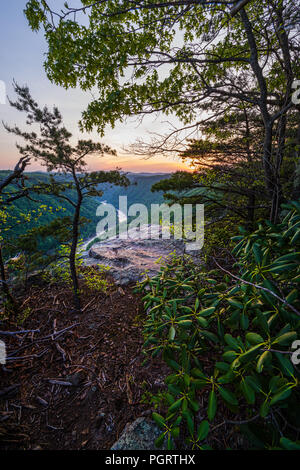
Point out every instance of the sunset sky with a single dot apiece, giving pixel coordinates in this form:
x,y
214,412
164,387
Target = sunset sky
x,y
21,58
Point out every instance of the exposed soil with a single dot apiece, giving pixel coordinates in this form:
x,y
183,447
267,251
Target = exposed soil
x,y
76,382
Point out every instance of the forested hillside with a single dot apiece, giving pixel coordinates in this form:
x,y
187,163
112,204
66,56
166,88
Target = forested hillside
x,y
23,213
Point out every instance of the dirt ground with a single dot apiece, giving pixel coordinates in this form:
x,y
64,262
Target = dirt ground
x,y
73,381
77,381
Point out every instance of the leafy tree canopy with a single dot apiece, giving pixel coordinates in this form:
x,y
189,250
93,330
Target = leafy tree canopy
x,y
175,56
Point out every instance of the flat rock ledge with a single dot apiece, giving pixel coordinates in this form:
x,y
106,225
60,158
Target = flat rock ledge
x,y
130,259
139,435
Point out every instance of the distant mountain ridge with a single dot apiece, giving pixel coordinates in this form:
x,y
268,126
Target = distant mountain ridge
x,y
139,191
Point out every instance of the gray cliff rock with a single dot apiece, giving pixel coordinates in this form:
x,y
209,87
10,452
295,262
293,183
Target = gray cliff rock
x,y
130,259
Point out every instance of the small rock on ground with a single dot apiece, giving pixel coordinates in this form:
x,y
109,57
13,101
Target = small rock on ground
x,y
139,435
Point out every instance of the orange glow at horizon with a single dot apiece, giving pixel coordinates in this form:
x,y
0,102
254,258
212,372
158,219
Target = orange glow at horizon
x,y
131,164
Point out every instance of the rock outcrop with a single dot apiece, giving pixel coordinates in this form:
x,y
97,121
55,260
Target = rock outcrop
x,y
130,259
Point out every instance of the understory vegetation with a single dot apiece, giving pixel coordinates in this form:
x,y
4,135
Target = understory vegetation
x,y
227,336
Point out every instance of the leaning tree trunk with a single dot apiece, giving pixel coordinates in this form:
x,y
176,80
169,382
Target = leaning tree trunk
x,y
72,260
4,285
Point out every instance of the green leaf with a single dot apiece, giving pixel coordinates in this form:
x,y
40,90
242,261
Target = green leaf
x,y
281,395
203,430
175,406
232,342
173,364
282,268
264,409
286,339
222,366
195,405
235,303
258,256
288,257
230,356
212,405
175,432
207,311
288,444
248,392
293,295
264,359
250,354
296,237
172,333
198,373
190,421
228,396
285,364
209,335
254,338
159,420
170,445
160,440
244,321
185,323
253,382
202,322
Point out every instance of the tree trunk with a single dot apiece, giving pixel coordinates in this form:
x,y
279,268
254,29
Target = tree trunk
x,y
270,174
72,258
251,212
4,285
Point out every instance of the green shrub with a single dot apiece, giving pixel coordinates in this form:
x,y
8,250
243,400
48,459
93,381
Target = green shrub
x,y
230,335
59,271
94,279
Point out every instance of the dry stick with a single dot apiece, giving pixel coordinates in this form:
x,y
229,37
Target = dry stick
x,y
84,309
258,287
13,333
60,382
8,390
57,334
62,351
23,358
238,423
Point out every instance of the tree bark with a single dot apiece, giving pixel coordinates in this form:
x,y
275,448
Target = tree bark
x,y
4,285
72,258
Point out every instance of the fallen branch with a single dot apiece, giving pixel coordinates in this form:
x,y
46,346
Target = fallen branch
x,y
258,287
23,358
62,351
15,333
9,390
237,423
60,382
